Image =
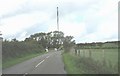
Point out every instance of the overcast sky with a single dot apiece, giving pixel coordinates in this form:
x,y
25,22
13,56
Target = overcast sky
x,y
86,20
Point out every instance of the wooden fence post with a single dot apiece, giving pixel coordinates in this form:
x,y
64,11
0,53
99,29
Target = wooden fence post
x,y
79,51
103,53
84,53
90,53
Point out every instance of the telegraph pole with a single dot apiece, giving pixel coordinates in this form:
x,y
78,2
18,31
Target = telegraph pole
x,y
0,33
58,25
57,20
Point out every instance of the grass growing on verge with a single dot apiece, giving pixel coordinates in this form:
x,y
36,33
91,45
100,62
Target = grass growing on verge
x,y
70,64
13,61
86,65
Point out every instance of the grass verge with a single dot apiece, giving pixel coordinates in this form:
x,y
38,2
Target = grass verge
x,y
86,65
70,64
13,61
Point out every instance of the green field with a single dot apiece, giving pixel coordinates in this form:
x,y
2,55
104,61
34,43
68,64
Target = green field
x,y
13,61
97,54
83,64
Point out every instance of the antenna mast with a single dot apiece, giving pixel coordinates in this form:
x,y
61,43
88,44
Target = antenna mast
x,y
0,33
57,19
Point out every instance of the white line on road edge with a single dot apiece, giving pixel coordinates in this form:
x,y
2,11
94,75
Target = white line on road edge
x,y
39,63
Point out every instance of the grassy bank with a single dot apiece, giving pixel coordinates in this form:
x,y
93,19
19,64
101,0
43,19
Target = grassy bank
x,y
13,61
83,64
70,64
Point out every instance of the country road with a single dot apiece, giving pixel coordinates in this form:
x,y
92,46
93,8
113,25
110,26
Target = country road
x,y
50,63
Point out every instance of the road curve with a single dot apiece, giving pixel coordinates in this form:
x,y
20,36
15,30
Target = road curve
x,y
50,63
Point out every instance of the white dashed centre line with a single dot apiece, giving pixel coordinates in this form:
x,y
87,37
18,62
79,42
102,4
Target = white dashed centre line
x,y
47,56
26,73
39,63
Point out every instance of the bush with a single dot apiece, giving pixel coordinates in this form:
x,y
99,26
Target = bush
x,y
19,49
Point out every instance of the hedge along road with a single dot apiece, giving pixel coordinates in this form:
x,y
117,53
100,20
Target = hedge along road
x,y
50,63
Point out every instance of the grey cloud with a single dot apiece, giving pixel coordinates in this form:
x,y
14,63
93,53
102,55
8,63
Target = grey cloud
x,y
65,8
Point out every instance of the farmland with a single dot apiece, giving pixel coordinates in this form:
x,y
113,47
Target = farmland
x,y
101,59
111,55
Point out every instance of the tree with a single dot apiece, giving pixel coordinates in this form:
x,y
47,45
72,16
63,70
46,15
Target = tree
x,y
68,43
49,39
53,39
14,40
57,39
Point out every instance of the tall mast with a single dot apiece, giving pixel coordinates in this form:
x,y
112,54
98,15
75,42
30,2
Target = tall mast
x,y
0,33
57,19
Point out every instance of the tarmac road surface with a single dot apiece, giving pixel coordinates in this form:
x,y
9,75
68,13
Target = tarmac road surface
x,y
50,63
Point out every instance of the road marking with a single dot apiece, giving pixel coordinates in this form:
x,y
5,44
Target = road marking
x,y
39,63
47,56
25,74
